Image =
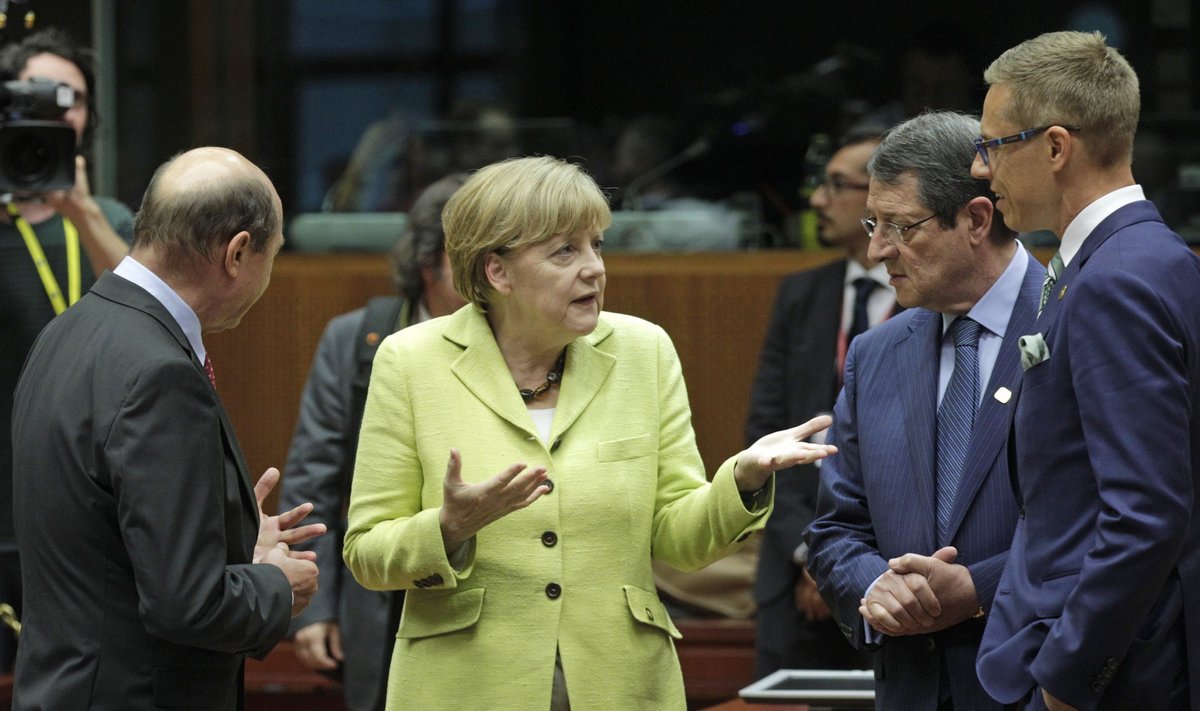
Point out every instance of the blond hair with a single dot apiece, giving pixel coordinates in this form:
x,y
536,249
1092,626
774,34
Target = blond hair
x,y
512,204
1072,79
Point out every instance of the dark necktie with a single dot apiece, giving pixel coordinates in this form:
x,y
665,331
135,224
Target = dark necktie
x,y
1054,269
212,377
956,418
863,287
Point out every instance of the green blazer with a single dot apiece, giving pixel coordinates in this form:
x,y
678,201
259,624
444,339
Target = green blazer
x,y
570,572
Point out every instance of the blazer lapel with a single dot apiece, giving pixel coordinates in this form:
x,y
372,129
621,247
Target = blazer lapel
x,y
994,418
586,370
917,358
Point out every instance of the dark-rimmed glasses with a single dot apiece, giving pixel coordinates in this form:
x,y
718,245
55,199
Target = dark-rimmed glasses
x,y
892,233
836,185
982,146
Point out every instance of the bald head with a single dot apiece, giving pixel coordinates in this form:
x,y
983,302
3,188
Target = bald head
x,y
200,199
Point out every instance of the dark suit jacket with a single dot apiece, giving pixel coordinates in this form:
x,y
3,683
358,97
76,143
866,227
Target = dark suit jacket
x,y
796,379
877,496
1091,605
136,519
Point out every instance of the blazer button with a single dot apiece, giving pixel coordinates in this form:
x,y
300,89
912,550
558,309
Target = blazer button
x,y
549,485
549,538
930,644
553,590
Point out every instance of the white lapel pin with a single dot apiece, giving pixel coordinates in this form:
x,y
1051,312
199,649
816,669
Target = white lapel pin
x,y
1003,395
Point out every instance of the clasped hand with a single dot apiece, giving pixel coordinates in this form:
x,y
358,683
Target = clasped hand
x,y
467,508
920,594
276,535
780,450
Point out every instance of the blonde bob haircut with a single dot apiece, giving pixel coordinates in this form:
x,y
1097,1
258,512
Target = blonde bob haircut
x,y
512,204
1073,79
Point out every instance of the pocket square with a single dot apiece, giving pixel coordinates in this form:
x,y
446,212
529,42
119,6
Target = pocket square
x,y
1033,350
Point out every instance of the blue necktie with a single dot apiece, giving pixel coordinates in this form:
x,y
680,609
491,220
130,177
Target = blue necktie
x,y
956,418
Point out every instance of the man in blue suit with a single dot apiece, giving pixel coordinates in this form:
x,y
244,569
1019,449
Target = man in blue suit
x,y
970,290
1091,611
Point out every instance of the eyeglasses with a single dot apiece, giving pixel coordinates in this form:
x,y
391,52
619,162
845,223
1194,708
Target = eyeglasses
x,y
982,146
836,184
892,233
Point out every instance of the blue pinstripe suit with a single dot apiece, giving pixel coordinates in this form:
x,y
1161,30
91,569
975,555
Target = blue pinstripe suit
x,y
877,496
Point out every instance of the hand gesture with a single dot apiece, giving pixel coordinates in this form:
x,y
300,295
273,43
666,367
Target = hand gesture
x,y
273,530
319,646
900,604
301,572
951,584
467,508
780,450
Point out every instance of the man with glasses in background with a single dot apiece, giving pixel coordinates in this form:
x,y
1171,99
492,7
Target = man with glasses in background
x,y
921,477
816,313
1093,610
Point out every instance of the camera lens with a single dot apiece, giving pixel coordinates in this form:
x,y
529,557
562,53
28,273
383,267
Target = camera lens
x,y
27,159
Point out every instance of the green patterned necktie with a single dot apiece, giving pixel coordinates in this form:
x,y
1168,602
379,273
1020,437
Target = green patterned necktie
x,y
1052,272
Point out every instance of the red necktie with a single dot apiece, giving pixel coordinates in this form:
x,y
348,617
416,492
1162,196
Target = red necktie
x,y
212,377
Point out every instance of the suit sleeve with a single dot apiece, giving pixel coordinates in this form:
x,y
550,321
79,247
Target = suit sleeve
x,y
1129,374
172,479
392,540
317,458
843,555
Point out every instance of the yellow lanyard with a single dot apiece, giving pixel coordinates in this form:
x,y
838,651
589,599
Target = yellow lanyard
x,y
43,267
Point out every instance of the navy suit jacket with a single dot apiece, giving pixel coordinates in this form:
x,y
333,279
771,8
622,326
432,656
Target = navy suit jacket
x,y
877,497
1108,456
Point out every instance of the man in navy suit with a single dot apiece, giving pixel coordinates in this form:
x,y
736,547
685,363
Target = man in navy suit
x,y
799,373
889,497
1091,611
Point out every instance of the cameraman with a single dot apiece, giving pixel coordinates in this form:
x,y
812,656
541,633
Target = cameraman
x,y
31,295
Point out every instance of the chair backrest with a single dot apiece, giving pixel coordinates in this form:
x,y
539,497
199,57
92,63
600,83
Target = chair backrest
x,y
346,231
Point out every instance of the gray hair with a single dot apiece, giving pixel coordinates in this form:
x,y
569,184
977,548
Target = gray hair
x,y
937,148
1065,78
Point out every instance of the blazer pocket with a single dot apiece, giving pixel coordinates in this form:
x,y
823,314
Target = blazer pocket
x,y
434,614
647,609
628,448
1053,594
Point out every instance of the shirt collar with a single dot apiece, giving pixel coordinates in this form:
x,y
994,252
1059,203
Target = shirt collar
x,y
1090,217
994,309
877,273
133,270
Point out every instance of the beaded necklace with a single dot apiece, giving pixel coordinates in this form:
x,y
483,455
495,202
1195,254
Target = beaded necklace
x,y
552,378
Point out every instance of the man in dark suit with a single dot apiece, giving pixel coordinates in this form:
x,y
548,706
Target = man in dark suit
x,y
921,424
1097,607
816,314
149,568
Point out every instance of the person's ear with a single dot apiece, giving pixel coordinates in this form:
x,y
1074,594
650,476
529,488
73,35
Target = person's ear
x,y
980,212
236,252
1059,147
497,274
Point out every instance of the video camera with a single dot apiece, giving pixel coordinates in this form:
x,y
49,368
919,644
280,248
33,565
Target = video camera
x,y
37,148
